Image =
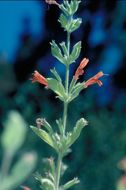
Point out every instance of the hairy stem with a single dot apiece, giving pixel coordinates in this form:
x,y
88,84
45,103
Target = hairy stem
x,y
59,161
58,172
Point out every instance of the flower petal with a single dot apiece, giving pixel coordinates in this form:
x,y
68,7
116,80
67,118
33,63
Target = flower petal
x,y
37,77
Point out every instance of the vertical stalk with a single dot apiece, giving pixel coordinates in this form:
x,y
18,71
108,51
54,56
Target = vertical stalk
x,y
66,86
58,172
59,161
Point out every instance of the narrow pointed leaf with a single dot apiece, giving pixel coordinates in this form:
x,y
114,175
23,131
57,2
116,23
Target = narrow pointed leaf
x,y
75,52
43,135
57,87
73,136
75,91
56,74
56,52
64,48
70,183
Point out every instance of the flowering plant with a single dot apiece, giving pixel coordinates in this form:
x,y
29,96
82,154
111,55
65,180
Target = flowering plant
x,y
62,140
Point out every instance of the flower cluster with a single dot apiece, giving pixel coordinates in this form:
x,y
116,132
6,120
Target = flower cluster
x,y
37,77
92,80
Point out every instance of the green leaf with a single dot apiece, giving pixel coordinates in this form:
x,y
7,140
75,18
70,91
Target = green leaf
x,y
72,84
75,91
63,8
56,75
75,24
73,136
57,87
70,8
60,125
74,5
14,132
64,22
75,52
56,52
43,135
70,183
52,166
20,171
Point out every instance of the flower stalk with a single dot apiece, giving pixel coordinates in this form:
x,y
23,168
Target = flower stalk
x,y
66,91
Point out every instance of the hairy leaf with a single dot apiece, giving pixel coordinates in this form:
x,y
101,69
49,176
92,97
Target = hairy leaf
x,y
73,136
54,72
75,52
57,87
56,52
43,135
70,183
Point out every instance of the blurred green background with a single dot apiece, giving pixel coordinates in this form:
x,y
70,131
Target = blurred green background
x,y
27,27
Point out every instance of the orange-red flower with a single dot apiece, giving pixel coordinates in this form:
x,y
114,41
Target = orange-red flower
x,y
37,77
80,69
94,79
52,2
25,188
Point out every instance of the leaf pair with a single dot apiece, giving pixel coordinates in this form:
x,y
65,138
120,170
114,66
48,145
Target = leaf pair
x,y
56,85
75,89
63,55
48,180
70,8
69,25
61,143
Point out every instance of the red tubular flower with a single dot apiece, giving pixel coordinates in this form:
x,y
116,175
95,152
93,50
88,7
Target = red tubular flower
x,y
94,79
80,70
52,2
37,77
25,188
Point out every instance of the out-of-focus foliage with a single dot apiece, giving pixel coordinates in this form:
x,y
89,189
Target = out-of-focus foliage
x,y
12,138
101,145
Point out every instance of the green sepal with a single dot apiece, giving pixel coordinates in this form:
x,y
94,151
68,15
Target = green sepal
x,y
75,52
44,136
47,126
56,52
71,183
73,135
57,87
47,184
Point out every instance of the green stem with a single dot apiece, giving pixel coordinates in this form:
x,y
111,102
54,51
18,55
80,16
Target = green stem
x,y
59,161
68,42
58,172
